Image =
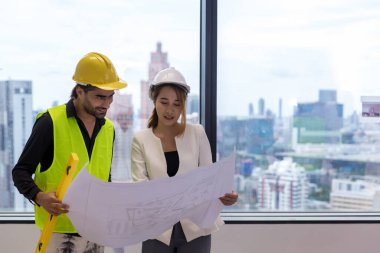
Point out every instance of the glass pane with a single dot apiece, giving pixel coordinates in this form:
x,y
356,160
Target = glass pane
x,y
291,76
41,43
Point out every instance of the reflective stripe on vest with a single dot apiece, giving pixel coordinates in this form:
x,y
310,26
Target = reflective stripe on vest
x,y
68,138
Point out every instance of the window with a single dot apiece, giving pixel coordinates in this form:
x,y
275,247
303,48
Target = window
x,y
290,78
42,42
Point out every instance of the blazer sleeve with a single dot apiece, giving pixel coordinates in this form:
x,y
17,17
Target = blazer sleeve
x,y
138,166
205,157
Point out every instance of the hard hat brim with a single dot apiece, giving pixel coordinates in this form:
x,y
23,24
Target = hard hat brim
x,y
183,86
111,86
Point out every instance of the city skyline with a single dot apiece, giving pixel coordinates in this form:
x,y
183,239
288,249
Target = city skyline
x,y
273,58
263,185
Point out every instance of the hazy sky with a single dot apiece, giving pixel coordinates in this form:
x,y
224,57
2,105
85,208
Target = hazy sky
x,y
42,40
291,49
271,49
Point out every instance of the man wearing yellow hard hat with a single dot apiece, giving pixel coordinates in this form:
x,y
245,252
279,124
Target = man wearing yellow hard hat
x,y
78,126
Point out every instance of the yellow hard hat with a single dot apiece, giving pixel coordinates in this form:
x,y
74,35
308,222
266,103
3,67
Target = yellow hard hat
x,y
97,70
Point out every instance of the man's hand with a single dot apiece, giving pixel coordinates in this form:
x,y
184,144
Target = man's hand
x,y
52,205
229,198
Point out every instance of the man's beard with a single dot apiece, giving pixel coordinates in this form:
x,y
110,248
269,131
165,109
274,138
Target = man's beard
x,y
92,111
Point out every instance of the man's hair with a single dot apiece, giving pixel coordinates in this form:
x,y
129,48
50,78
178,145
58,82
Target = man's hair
x,y
85,88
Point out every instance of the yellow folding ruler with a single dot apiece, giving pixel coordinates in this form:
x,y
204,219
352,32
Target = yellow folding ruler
x,y
71,167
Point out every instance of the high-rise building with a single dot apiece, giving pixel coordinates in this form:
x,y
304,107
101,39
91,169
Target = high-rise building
x,y
158,61
253,135
319,122
247,189
251,110
16,122
231,131
192,104
283,186
355,194
121,113
261,107
326,96
260,135
4,154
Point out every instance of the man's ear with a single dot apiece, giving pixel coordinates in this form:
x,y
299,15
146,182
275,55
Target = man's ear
x,y
79,91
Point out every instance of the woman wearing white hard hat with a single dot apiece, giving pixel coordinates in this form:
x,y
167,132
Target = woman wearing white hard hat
x,y
169,147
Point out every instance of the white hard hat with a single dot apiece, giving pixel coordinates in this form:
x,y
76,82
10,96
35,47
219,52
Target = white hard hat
x,y
168,76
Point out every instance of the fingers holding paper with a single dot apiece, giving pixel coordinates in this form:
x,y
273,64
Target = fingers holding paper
x,y
229,198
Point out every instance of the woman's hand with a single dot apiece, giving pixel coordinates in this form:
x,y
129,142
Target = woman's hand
x,y
229,198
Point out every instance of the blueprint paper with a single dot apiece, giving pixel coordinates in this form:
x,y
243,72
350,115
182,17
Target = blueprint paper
x,y
121,214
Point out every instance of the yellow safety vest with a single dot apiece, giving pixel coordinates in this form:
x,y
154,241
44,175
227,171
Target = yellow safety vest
x,y
68,138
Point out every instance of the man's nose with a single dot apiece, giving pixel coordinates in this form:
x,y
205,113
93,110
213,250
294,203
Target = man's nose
x,y
106,103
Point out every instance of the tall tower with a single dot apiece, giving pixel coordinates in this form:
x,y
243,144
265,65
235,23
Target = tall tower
x,y
158,61
192,104
251,111
121,113
261,107
16,122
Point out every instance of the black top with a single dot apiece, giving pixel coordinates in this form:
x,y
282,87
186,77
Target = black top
x,y
39,149
172,161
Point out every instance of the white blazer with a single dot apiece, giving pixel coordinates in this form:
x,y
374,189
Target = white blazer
x,y
148,163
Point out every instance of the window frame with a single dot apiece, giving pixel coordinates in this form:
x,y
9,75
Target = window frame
x,y
208,118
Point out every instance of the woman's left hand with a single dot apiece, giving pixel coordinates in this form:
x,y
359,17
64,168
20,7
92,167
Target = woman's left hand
x,y
229,198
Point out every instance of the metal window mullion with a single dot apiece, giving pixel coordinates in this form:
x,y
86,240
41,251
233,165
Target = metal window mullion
x,y
208,71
